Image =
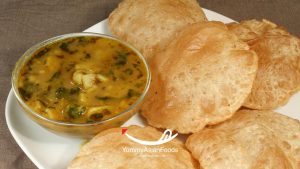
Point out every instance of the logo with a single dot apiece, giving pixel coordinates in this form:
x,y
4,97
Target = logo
x,y
166,137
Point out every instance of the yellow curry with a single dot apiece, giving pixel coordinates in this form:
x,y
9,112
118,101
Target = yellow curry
x,y
82,79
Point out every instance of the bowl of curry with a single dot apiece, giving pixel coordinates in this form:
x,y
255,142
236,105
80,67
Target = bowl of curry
x,y
81,83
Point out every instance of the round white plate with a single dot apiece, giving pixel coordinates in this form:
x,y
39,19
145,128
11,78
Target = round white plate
x,y
49,151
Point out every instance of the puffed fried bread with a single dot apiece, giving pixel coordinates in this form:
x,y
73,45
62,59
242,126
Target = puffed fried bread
x,y
251,139
278,75
201,78
106,151
150,25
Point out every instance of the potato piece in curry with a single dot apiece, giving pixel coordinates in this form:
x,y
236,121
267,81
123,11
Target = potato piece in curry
x,y
83,79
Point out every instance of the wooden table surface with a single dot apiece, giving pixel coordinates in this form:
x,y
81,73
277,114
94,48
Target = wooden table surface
x,y
23,23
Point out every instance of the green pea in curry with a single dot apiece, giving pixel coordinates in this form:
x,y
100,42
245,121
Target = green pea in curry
x,y
82,79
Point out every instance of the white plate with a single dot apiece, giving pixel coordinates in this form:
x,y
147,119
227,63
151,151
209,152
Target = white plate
x,y
49,151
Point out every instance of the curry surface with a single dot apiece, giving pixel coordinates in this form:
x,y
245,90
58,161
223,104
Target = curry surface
x,y
82,79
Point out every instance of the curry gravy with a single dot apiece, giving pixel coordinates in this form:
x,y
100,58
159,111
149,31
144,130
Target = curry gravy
x,y
83,79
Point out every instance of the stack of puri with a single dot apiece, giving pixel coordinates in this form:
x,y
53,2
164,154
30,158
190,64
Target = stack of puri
x,y
216,82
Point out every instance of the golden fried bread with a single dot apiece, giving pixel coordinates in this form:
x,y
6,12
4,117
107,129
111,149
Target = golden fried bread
x,y
251,139
150,25
106,151
201,78
252,29
278,75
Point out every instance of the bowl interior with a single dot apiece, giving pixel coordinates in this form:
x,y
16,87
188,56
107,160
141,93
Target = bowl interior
x,y
28,54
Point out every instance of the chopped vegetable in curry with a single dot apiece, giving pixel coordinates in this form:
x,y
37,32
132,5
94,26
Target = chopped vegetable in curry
x,y
83,79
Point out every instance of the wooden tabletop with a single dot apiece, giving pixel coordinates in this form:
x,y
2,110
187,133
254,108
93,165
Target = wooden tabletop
x,y
24,23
